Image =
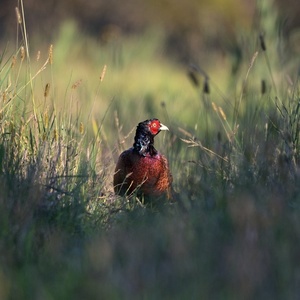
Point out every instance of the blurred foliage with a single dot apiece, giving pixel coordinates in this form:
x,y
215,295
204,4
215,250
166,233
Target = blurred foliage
x,y
191,28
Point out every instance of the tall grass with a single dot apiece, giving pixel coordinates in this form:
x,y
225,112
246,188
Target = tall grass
x,y
234,231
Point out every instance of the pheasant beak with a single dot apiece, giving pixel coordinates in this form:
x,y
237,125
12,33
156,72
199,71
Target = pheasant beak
x,y
163,127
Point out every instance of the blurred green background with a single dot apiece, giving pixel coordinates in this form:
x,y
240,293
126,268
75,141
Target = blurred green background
x,y
148,48
191,28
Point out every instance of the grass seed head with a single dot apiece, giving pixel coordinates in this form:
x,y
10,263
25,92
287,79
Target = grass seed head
x,y
214,106
103,73
11,126
192,76
50,54
18,15
81,128
263,87
76,84
206,88
22,51
46,91
222,113
38,55
46,119
262,42
13,61
55,135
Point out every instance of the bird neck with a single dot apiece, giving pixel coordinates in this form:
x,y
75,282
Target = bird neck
x,y
144,144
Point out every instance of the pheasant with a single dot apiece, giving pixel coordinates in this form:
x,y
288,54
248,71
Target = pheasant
x,y
142,168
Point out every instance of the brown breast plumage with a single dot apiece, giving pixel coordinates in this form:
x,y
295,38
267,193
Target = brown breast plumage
x,y
149,175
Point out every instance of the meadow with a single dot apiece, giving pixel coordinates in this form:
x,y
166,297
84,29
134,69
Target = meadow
x,y
68,109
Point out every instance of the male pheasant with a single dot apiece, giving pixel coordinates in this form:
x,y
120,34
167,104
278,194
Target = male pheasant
x,y
142,168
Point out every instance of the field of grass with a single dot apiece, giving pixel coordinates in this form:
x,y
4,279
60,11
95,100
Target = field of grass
x,y
69,108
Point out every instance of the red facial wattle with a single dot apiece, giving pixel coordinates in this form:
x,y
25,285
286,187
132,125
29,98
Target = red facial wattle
x,y
154,127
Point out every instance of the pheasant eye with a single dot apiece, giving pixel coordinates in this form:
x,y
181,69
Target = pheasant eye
x,y
154,127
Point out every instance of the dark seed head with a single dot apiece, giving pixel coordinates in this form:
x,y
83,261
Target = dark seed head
x,y
206,89
262,42
193,78
263,87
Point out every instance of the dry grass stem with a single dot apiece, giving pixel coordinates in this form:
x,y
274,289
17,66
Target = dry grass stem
x,y
251,63
197,143
237,108
185,132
